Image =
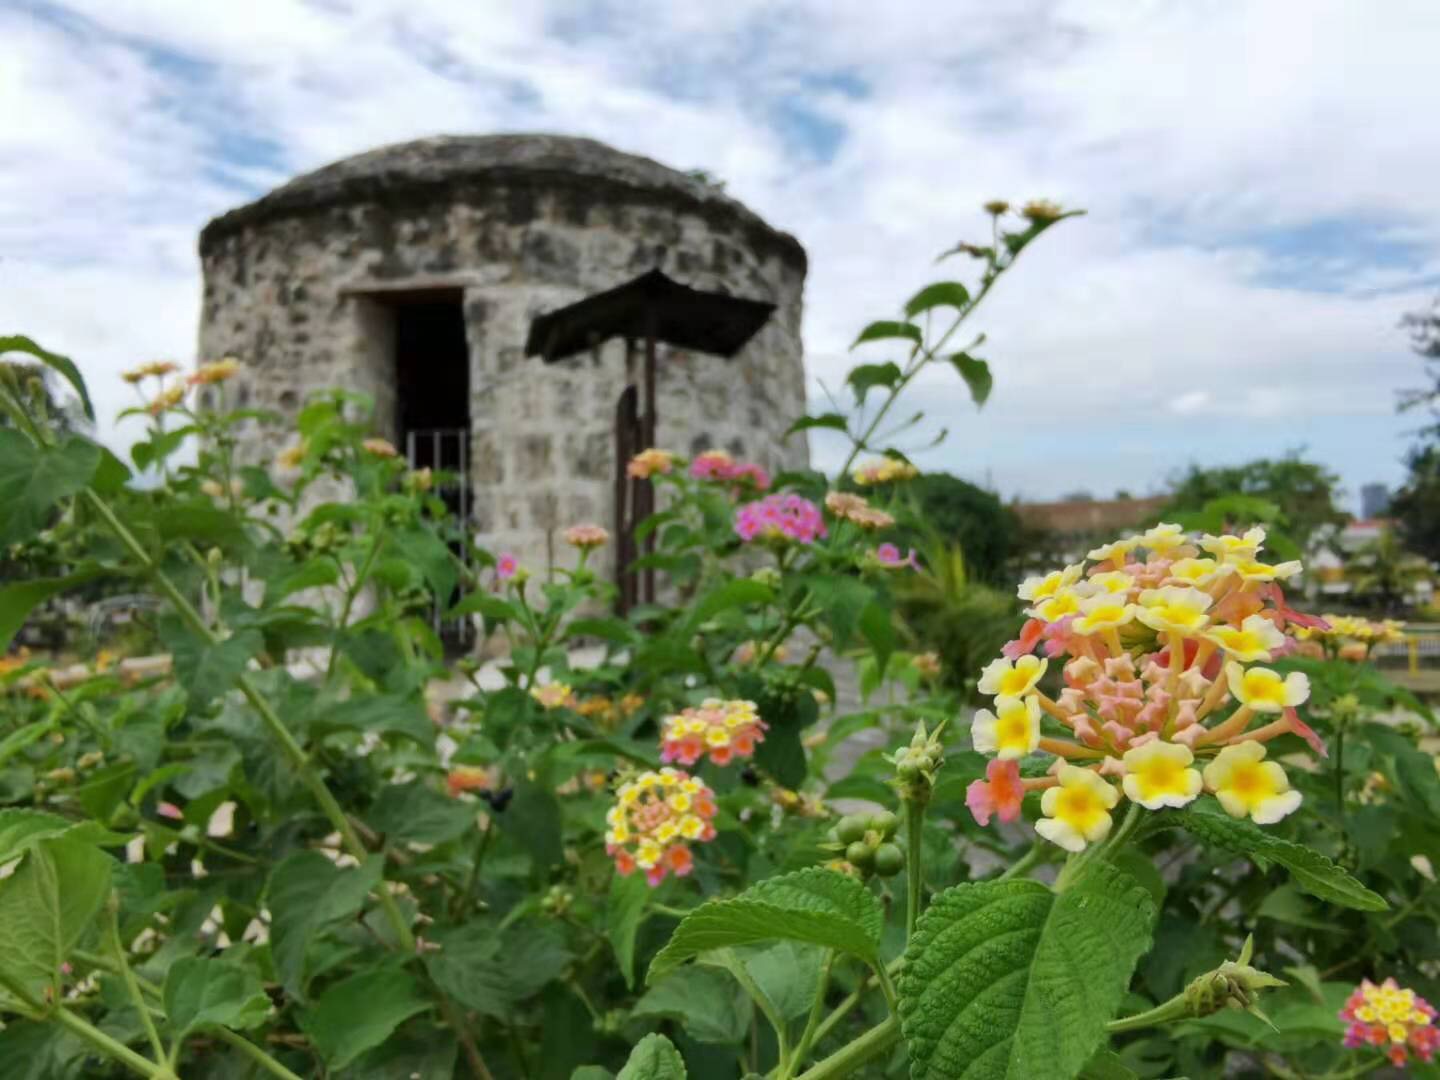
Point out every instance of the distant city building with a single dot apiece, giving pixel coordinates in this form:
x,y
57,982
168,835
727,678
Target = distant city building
x,y
1374,500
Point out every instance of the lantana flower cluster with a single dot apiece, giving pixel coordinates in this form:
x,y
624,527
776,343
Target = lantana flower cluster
x,y
781,518
854,508
720,466
655,818
1394,1020
884,471
650,463
1350,637
719,730
1155,635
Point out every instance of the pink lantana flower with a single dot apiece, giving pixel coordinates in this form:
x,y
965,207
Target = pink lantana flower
x,y
1000,793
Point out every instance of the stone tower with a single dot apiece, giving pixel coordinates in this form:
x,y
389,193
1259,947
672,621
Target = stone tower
x,y
412,273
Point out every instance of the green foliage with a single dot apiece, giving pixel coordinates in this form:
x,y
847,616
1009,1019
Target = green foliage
x,y
203,993
1011,980
1297,497
654,1058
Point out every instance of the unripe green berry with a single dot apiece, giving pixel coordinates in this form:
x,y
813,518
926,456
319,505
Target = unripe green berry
x,y
885,823
851,828
889,860
860,854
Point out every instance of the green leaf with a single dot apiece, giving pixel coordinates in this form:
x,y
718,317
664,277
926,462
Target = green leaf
x,y
1107,1065
736,593
785,974
63,364
361,1012
879,631
380,714
615,631
708,1004
624,909
20,828
20,738
428,553
832,421
592,1072
419,814
1311,871
46,905
940,294
494,973
306,893
204,992
976,374
885,330
1007,980
865,377
818,906
208,671
33,479
493,608
312,575
843,599
534,820
654,1058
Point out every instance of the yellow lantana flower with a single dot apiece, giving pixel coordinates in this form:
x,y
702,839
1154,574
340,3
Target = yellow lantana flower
x,y
1103,611
1011,732
1251,570
1174,609
1065,602
1016,679
1115,551
1036,589
1254,639
1197,571
1248,785
1077,812
1231,548
1163,538
1264,690
1111,581
1158,774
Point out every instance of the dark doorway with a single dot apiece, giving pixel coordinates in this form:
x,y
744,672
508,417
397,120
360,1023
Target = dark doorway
x,y
432,379
432,412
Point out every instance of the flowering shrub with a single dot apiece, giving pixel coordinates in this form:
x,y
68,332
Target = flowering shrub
x,y
294,838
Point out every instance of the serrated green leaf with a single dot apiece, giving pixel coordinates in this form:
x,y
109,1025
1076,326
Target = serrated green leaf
x,y
654,1058
865,377
208,671
63,364
737,593
976,374
494,973
708,1004
306,893
615,631
361,1012
20,827
1007,980
494,608
785,974
1311,871
50,900
624,908
831,421
33,479
879,631
205,992
419,814
818,906
379,714
887,329
940,294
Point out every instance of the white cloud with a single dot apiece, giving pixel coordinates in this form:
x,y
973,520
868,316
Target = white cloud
x,y
1193,315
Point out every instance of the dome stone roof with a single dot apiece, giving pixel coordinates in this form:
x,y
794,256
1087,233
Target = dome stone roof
x,y
433,165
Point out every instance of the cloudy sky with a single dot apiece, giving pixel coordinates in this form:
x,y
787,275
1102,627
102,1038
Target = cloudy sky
x,y
1260,176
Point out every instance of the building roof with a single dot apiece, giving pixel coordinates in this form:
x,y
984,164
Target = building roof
x,y
1077,516
706,322
443,162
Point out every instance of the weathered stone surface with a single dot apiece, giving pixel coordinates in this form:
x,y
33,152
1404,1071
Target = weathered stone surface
x,y
296,287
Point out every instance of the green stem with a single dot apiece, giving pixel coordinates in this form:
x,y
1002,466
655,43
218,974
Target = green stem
x,y
1022,865
254,1053
110,1047
1340,782
351,594
1174,1009
807,1037
128,977
292,750
852,1055
887,987
914,867
762,1002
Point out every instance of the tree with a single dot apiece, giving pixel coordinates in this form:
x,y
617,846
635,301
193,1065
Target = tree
x,y
1385,572
958,512
1302,493
1424,327
1416,506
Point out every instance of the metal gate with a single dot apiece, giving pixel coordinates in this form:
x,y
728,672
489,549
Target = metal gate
x,y
446,451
